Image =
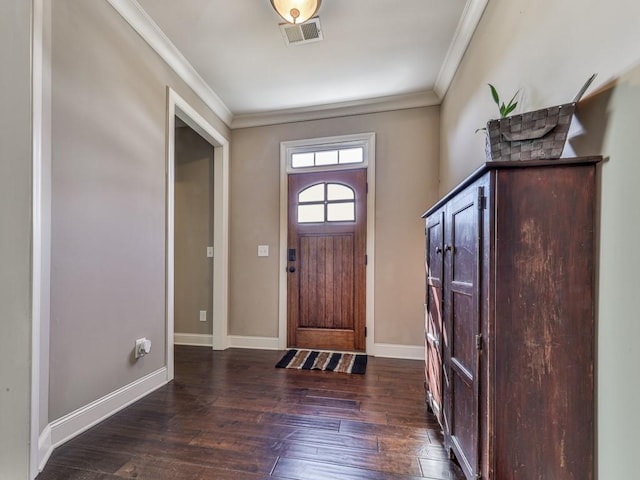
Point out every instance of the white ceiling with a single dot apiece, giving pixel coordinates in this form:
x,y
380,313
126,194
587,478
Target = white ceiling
x,y
373,51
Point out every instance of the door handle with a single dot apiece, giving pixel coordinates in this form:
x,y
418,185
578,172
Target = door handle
x,y
438,249
292,269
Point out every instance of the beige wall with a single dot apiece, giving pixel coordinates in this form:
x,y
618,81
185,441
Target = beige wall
x,y
108,202
406,183
548,49
15,238
610,119
193,232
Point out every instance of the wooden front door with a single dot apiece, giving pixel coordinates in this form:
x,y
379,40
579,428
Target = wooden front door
x,y
326,260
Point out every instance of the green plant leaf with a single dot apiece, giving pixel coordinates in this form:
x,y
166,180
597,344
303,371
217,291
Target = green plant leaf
x,y
502,108
494,94
510,109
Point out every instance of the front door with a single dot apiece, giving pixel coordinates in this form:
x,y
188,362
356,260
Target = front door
x,y
326,260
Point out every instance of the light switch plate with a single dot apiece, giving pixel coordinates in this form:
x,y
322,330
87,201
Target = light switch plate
x,y
203,315
209,252
263,250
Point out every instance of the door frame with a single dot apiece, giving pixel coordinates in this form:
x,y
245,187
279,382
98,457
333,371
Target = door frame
x,y
178,107
369,141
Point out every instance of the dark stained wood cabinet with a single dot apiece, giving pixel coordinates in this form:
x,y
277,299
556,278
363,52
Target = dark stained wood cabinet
x,y
510,319
434,267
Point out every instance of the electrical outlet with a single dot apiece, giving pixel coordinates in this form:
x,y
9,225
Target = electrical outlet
x,y
263,250
203,315
143,346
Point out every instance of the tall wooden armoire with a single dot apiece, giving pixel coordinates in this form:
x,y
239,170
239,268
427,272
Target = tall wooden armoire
x,y
510,319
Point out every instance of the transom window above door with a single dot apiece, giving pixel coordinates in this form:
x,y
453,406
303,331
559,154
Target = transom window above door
x,y
328,153
323,158
326,202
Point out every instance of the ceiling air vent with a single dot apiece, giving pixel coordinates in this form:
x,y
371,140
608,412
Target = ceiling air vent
x,y
307,32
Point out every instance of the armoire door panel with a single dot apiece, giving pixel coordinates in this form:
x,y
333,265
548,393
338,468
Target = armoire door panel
x,y
464,405
434,312
462,321
463,345
463,238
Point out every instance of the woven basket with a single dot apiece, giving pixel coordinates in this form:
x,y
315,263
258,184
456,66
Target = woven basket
x,y
530,136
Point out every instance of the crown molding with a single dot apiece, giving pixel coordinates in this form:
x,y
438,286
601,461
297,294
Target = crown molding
x,y
469,20
150,32
333,110
133,13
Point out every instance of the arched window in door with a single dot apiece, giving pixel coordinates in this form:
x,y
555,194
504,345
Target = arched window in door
x,y
327,202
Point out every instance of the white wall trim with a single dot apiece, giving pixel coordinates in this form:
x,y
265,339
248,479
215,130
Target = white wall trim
x,y
371,244
383,350
177,106
221,247
467,25
41,226
45,448
193,339
258,343
233,341
37,88
171,228
371,231
74,423
151,33
408,352
333,110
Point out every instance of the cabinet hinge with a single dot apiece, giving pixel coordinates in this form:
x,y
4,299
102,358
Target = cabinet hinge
x,y
365,332
482,200
366,259
479,342
366,187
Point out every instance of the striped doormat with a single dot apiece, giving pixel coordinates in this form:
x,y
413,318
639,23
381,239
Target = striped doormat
x,y
329,361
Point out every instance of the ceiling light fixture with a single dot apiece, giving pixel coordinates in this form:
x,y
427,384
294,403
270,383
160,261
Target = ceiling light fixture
x,y
296,11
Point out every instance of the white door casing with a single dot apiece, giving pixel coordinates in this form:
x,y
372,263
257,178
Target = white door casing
x,y
178,107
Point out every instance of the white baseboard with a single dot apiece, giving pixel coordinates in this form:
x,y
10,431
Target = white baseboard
x,y
74,423
197,339
233,341
259,343
388,350
44,447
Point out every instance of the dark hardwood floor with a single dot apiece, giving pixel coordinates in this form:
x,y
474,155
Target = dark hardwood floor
x,y
231,415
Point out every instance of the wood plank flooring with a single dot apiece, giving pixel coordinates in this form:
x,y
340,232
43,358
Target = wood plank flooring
x,y
231,415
